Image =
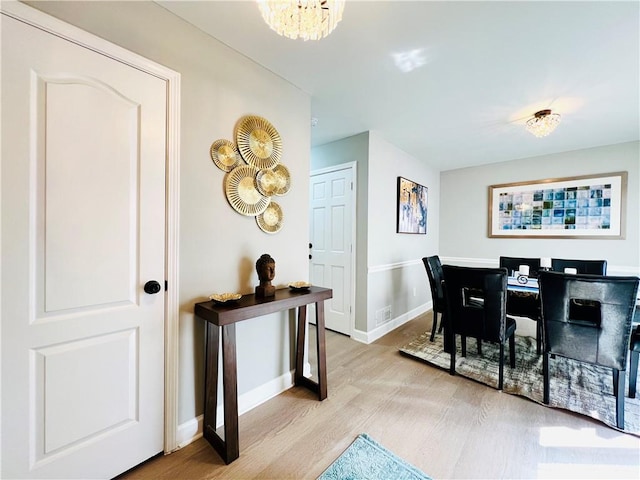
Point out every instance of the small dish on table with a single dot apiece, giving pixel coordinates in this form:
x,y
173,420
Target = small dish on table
x,y
225,297
299,286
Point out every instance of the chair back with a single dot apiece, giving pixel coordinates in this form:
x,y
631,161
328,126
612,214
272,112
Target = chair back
x,y
588,317
590,267
513,263
467,316
434,272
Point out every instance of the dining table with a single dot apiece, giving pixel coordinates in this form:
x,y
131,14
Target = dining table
x,y
523,284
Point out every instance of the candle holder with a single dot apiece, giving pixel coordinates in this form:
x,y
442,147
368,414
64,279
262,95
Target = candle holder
x,y
545,264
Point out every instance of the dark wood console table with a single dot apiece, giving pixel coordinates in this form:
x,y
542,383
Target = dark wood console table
x,y
225,316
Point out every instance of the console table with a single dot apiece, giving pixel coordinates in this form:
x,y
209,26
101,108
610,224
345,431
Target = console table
x,y
224,316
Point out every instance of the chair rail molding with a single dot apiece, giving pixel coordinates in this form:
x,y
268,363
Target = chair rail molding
x,y
394,266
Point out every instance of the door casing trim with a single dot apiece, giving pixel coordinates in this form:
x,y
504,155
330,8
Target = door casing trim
x,y
353,166
54,26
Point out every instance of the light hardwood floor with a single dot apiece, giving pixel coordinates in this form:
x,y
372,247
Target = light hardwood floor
x,y
449,427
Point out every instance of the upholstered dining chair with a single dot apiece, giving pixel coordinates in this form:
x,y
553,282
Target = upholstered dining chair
x,y
476,301
590,267
634,352
587,267
601,340
525,304
434,272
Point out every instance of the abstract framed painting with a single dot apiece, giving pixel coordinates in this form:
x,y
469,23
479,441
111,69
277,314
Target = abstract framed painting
x,y
588,206
412,207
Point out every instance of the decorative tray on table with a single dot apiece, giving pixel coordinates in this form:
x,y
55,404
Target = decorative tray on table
x,y
225,297
299,286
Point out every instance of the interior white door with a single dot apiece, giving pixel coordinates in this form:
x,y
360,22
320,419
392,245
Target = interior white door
x,y
83,230
331,243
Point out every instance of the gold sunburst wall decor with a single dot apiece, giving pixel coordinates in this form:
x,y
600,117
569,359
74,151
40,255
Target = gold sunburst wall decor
x,y
242,193
259,142
254,172
270,221
225,155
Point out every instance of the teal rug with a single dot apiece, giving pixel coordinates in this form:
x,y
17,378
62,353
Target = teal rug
x,y
365,459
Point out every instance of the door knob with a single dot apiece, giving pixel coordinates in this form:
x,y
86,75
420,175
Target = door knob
x,y
152,287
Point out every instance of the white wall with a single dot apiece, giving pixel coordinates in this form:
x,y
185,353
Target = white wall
x,y
464,209
218,247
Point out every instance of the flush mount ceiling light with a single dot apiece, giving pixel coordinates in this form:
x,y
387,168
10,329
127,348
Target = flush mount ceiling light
x,y
306,19
543,123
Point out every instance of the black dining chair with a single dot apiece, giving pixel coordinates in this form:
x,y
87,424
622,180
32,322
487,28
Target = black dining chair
x,y
589,267
600,340
476,300
634,352
525,304
434,272
586,267
512,264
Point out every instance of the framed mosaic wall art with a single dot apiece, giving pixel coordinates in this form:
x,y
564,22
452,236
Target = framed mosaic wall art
x,y
590,206
412,207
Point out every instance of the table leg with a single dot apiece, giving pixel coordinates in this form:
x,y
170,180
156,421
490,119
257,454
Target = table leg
x,y
229,448
322,351
211,381
320,387
230,386
300,342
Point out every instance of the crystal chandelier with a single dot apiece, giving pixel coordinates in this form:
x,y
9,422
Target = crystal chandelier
x,y
543,123
306,19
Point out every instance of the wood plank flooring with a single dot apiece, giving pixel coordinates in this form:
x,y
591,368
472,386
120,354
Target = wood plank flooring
x,y
449,427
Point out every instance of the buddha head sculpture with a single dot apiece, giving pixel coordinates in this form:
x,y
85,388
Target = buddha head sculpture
x,y
266,268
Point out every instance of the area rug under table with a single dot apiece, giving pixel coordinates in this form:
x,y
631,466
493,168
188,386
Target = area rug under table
x,y
580,387
365,459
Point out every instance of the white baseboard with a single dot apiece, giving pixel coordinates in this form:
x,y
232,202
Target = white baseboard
x,y
373,335
191,430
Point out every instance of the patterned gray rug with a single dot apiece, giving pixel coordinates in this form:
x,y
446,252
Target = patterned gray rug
x,y
579,387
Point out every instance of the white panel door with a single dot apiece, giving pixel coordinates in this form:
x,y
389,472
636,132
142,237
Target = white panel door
x,y
83,230
331,249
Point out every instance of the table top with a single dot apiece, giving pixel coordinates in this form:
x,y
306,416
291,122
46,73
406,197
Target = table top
x,y
531,286
251,306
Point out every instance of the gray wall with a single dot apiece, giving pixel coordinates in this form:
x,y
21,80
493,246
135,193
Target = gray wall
x,y
396,275
218,247
390,272
352,149
464,209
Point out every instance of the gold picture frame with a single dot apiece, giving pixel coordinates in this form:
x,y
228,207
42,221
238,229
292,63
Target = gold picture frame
x,y
587,206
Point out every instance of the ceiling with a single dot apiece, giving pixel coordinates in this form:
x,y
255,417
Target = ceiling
x,y
484,68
